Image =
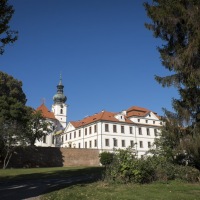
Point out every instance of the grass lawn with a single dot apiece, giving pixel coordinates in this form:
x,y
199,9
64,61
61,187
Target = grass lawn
x,y
41,173
156,191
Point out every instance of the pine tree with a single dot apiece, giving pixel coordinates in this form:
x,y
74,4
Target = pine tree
x,y
177,24
13,116
6,35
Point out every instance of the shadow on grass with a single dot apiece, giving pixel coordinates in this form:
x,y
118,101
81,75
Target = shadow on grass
x,y
32,185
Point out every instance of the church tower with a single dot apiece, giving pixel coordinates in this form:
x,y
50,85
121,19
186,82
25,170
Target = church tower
x,y
59,108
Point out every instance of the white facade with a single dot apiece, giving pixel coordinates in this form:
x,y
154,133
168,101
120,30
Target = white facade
x,y
108,131
57,118
60,112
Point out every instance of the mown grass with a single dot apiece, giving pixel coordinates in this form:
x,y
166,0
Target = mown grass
x,y
41,173
156,191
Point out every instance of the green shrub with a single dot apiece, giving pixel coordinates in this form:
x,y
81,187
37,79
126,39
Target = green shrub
x,y
125,168
106,158
187,173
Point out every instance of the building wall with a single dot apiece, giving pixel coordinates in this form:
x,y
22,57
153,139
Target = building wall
x,y
140,141
60,112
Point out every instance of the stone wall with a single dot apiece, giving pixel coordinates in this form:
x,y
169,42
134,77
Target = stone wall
x,y
53,157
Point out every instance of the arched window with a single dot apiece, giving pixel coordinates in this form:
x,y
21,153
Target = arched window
x,y
61,111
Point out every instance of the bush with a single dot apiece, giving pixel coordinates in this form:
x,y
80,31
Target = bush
x,y
106,158
126,168
187,173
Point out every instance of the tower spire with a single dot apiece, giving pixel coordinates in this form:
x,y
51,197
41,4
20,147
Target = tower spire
x,y
60,83
59,97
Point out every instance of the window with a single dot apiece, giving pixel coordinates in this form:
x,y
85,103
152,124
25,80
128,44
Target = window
x,y
131,143
107,142
86,145
70,136
79,133
149,115
160,123
106,128
61,111
79,145
123,143
85,131
153,122
95,128
148,132
75,134
90,130
140,131
66,137
155,132
53,139
138,120
114,128
95,143
90,144
141,144
149,144
146,121
61,139
115,142
131,130
122,129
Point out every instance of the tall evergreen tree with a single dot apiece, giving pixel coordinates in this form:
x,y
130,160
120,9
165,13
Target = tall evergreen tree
x,y
177,23
13,116
6,35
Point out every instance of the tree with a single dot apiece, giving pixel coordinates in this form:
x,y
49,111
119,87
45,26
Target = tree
x,y
177,24
6,35
13,116
37,126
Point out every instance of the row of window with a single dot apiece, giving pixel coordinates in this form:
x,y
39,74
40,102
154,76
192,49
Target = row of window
x,y
115,129
147,121
74,134
123,143
93,144
148,131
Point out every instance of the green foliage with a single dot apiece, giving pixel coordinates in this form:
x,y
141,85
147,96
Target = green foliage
x,y
6,35
106,158
125,168
13,115
176,24
37,126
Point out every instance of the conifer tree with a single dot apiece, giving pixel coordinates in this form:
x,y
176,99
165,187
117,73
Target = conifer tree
x,y
177,24
13,116
6,34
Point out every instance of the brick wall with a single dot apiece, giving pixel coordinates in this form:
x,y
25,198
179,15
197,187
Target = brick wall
x,y
80,157
53,157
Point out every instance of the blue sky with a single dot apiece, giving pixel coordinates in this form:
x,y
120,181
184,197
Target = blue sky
x,y
108,59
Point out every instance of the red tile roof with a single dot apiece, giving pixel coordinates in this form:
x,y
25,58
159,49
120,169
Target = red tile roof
x,y
139,112
45,112
101,116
